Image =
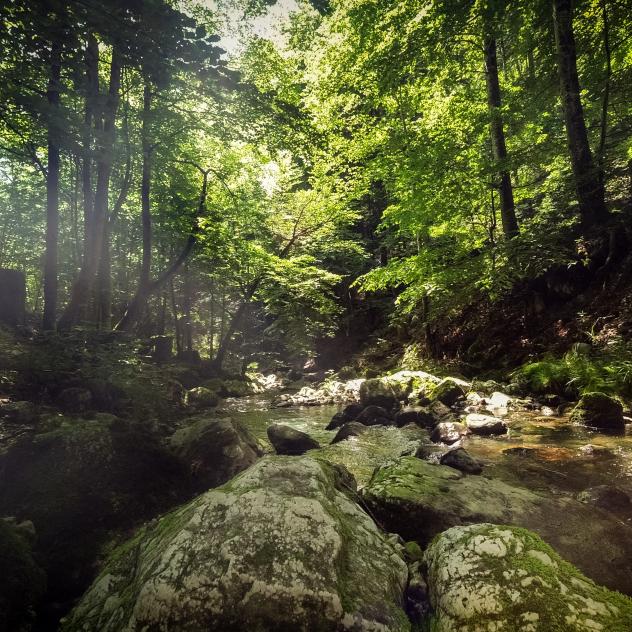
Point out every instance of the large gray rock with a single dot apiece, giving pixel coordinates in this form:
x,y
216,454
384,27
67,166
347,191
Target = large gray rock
x,y
418,500
350,429
489,578
280,547
378,392
599,411
214,450
448,432
449,391
485,424
288,440
375,416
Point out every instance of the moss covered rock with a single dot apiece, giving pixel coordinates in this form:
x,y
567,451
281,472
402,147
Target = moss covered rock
x,y
214,450
599,411
22,582
418,500
280,547
81,482
378,392
201,397
489,578
449,391
288,440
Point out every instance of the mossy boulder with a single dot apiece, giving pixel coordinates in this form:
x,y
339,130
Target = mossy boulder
x,y
22,581
201,397
288,440
418,500
599,411
214,450
378,392
490,578
280,547
79,484
449,391
236,388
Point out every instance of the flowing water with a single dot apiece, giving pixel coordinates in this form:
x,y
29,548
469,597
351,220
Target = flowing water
x,y
544,453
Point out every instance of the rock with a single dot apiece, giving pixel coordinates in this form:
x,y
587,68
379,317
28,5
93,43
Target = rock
x,y
418,416
19,412
459,459
377,392
235,388
417,598
608,497
599,411
280,547
448,432
294,375
441,413
498,400
449,391
489,578
329,393
74,399
339,419
201,397
350,429
349,413
375,416
485,425
82,483
418,500
598,451
214,450
22,581
288,440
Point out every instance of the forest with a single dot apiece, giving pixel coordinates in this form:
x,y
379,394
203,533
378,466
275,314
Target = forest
x,y
316,315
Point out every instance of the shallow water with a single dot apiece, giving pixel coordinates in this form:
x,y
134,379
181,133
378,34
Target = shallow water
x,y
554,456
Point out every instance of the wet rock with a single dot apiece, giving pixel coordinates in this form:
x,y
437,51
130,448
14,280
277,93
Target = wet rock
x,y
377,392
349,413
459,459
214,450
74,399
81,483
288,440
485,425
449,391
521,452
418,500
375,416
608,497
201,397
350,429
448,432
489,578
418,415
441,413
280,547
329,393
598,451
235,388
599,411
417,598
338,420
22,581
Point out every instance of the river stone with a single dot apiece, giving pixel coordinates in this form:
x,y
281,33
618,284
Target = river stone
x,y
460,460
418,500
490,578
280,547
448,432
288,440
414,415
440,413
214,450
377,392
350,429
485,424
449,391
201,397
599,411
375,416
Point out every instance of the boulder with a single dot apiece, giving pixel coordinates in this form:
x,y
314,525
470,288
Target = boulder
x,y
417,415
349,413
608,497
22,581
280,547
489,578
418,500
498,400
214,450
449,391
440,413
448,432
80,484
350,429
375,416
288,440
201,397
599,411
74,399
377,392
460,460
485,424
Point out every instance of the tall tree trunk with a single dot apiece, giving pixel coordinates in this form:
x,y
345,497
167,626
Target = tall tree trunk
x,y
589,185
601,151
83,285
52,191
499,147
176,322
91,98
186,304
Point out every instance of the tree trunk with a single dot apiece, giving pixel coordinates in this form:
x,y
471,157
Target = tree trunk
x,y
589,185
91,98
52,191
186,304
499,148
83,285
